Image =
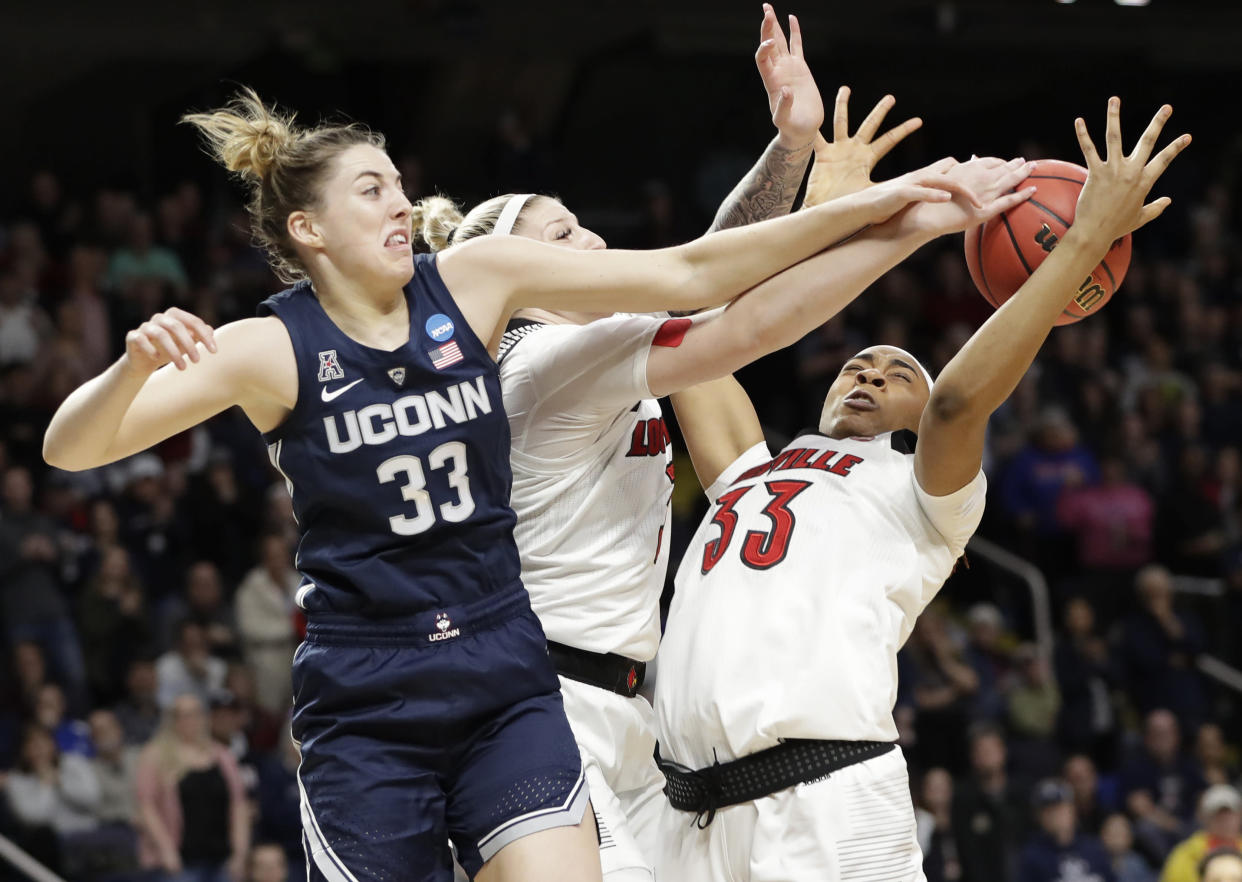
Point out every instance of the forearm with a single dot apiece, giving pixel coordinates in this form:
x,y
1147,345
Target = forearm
x,y
785,308
239,827
988,368
768,190
83,427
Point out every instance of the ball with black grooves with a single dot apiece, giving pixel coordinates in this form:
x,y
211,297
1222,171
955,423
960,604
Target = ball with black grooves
x,y
1002,253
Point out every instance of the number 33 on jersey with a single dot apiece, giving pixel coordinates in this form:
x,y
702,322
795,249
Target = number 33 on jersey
x,y
397,461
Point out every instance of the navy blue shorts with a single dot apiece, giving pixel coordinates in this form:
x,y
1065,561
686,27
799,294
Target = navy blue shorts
x,y
445,725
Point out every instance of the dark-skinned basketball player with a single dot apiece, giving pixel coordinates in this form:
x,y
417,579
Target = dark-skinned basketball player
x,y
778,666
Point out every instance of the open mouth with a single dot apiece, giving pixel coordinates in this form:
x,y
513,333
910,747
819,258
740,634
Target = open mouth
x,y
398,239
860,400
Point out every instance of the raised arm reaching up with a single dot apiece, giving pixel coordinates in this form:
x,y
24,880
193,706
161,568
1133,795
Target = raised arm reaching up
x,y
986,370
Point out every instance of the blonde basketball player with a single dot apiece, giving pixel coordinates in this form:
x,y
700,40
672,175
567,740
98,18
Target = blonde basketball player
x,y
778,666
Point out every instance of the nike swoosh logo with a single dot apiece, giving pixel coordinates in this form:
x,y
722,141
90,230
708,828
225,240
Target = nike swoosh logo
x,y
329,396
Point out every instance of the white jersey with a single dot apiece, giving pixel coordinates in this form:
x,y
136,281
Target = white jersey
x,y
592,478
795,594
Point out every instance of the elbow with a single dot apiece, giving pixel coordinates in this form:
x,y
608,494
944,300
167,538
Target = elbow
x,y
57,455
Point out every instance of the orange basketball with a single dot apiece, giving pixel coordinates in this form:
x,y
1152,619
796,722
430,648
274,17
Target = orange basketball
x,y
1003,253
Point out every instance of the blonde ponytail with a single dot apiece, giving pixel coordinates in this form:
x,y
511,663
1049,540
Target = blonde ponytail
x,y
245,136
437,220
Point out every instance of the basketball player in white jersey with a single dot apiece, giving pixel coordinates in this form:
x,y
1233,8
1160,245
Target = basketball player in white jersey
x,y
590,450
778,667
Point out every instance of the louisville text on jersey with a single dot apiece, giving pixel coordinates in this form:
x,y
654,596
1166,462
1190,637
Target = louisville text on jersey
x,y
409,415
651,438
804,458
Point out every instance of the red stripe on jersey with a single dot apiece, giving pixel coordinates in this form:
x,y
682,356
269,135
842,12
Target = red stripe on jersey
x,y
672,332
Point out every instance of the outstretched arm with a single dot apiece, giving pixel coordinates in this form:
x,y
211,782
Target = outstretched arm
x,y
768,190
782,309
986,370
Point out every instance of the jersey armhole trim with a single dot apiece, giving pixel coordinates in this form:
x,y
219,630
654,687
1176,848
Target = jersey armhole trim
x,y
299,402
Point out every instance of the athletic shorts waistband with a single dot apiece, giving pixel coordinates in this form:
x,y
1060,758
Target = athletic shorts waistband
x,y
427,628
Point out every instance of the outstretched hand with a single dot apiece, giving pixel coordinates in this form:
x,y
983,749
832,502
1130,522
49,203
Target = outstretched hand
x,y
936,185
844,165
1112,201
988,189
794,99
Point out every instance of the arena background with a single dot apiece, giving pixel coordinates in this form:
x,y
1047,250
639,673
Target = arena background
x,y
1120,452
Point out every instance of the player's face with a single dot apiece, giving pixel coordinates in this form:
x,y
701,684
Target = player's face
x,y
547,220
878,390
362,222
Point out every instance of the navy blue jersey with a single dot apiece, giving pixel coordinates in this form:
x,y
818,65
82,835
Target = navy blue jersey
x,y
398,462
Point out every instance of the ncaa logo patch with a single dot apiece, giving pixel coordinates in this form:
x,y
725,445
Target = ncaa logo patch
x,y
330,366
440,327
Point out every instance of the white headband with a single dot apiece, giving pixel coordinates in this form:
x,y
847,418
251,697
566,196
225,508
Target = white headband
x,y
926,373
509,214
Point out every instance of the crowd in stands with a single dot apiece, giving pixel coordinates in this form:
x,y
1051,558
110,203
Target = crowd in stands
x,y
149,621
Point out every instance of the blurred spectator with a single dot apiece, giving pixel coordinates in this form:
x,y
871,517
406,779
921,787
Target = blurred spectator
x,y
1092,801
1190,524
1112,523
264,614
188,667
224,516
1118,840
93,323
942,685
1213,755
1220,814
203,602
150,527
1159,646
1033,705
114,846
50,793
115,765
1032,484
50,711
139,712
23,325
1058,852
267,863
191,803
278,799
1086,674
262,728
933,819
989,812
114,624
142,260
988,659
1160,786
33,605
226,722
1223,865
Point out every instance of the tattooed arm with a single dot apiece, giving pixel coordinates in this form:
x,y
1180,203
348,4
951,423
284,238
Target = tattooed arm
x,y
768,190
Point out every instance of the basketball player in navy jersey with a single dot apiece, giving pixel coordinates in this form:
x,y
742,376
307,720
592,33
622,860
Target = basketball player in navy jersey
x,y
781,758
425,703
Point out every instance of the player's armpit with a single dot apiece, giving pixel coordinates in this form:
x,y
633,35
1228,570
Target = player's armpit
x,y
254,368
719,424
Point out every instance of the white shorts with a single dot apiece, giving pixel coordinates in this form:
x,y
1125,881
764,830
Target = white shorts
x,y
856,825
617,738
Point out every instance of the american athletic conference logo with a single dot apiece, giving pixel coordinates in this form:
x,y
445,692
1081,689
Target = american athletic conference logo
x,y
444,629
330,366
